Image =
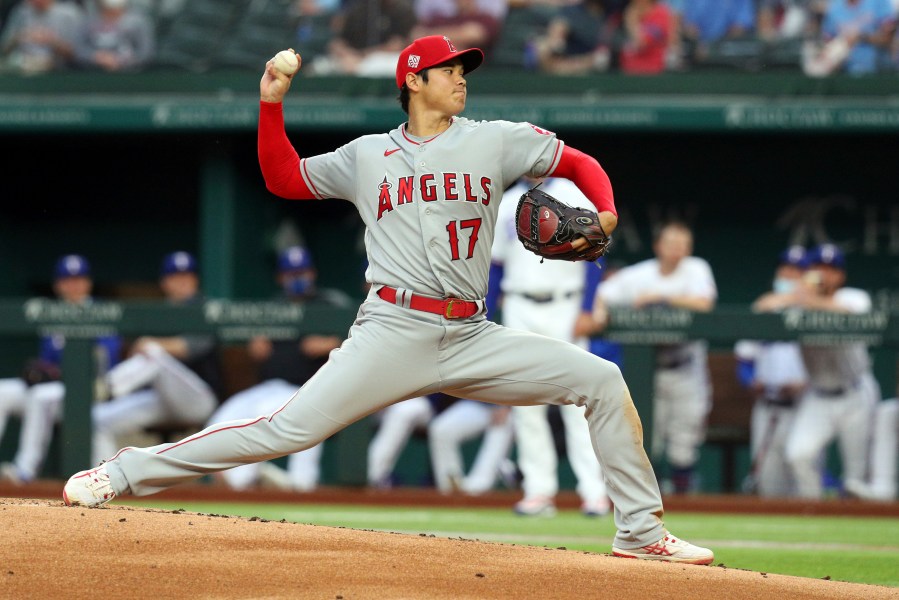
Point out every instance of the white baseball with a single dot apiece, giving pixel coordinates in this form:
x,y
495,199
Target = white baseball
x,y
286,62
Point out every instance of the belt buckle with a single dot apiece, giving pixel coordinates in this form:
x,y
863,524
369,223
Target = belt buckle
x,y
448,308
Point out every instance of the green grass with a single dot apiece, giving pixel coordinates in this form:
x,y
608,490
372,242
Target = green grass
x,y
856,549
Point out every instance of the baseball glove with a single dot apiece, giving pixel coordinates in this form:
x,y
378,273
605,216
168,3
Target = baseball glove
x,y
547,227
38,370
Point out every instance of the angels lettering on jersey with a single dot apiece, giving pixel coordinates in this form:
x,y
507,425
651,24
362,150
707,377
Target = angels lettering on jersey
x,y
451,187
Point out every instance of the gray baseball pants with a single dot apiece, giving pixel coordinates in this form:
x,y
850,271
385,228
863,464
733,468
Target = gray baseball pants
x,y
392,354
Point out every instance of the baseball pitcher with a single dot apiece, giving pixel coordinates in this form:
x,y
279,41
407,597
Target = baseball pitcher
x,y
428,193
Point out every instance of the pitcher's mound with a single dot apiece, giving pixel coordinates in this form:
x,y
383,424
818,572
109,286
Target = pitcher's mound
x,y
50,550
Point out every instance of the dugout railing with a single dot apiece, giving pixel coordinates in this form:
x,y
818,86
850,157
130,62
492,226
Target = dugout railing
x,y
235,321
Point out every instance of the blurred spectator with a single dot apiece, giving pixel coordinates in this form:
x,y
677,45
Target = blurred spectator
x,y
40,35
682,390
170,380
37,397
648,24
842,393
283,366
702,23
779,20
712,20
368,38
307,8
116,38
775,375
576,41
468,25
427,10
856,36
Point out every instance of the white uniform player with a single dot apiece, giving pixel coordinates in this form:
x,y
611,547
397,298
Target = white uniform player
x,y
283,365
882,481
447,430
775,374
13,400
428,193
40,404
168,380
396,425
842,391
682,396
545,297
464,420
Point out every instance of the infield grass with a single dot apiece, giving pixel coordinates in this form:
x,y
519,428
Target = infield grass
x,y
855,549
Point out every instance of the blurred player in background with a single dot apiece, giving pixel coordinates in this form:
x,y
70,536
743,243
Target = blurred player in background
x,y
396,424
283,366
842,392
682,397
775,375
545,297
448,423
38,396
462,421
882,480
170,380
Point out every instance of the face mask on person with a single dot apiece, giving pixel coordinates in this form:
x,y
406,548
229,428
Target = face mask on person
x,y
298,286
784,286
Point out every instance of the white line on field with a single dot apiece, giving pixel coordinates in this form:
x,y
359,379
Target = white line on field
x,y
554,540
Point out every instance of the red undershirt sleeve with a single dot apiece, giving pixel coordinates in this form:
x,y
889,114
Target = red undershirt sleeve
x,y
587,174
278,160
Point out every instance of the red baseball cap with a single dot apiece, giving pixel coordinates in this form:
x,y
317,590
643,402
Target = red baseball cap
x,y
430,51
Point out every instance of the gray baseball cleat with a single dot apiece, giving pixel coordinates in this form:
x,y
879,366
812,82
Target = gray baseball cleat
x,y
669,549
88,488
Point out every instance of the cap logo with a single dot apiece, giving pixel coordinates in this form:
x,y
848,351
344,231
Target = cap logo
x,y
450,44
73,264
414,59
182,261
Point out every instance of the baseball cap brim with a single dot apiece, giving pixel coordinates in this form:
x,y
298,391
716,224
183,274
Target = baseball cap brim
x,y
432,51
471,59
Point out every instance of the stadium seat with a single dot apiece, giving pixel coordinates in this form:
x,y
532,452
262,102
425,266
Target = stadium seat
x,y
784,55
744,54
522,26
261,30
197,34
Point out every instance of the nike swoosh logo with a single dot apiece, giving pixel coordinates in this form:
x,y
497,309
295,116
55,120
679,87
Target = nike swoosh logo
x,y
389,152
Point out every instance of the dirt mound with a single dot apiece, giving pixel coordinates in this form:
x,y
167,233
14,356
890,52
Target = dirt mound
x,y
52,551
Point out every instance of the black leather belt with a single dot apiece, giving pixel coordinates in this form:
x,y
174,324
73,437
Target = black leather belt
x,y
832,392
675,364
544,298
780,402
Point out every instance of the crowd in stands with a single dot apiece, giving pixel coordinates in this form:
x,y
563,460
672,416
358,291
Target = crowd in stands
x,y
364,37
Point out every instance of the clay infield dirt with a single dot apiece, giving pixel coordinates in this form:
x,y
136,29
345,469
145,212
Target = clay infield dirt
x,y
53,551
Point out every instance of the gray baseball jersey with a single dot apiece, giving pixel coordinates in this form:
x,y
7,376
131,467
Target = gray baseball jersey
x,y
432,226
430,209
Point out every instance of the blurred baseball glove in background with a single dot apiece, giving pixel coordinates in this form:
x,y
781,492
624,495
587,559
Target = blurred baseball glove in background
x,y
548,228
